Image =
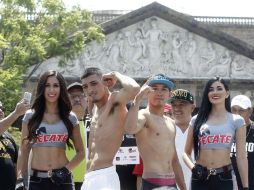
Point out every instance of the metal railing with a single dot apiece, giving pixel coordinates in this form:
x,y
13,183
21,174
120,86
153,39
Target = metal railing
x,y
244,21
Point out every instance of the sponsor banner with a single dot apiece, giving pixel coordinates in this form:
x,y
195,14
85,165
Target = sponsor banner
x,y
126,155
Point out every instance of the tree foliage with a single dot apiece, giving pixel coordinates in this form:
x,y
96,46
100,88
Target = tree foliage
x,y
32,31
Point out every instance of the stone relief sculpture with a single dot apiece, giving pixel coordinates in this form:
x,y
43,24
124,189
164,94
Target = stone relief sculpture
x,y
153,46
241,67
222,67
88,57
208,58
140,49
71,68
225,58
154,35
89,54
177,43
190,49
237,66
115,50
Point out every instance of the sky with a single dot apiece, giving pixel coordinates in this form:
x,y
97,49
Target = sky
x,y
232,8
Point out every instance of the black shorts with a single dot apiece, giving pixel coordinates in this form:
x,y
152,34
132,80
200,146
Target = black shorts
x,y
38,183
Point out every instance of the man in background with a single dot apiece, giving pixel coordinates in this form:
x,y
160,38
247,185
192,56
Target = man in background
x,y
182,103
242,106
79,107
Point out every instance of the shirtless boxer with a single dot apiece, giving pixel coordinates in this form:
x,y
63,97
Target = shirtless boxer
x,y
107,125
155,135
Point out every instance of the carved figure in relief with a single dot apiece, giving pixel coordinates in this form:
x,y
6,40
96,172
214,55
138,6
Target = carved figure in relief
x,y
225,58
177,43
139,49
115,50
190,49
222,68
208,58
89,54
240,68
88,57
155,36
237,65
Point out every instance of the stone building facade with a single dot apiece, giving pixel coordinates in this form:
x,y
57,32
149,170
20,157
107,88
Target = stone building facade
x,y
156,39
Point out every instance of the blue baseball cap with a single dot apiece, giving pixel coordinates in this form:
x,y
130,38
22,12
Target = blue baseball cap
x,y
161,79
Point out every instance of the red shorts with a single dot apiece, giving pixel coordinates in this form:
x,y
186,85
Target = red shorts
x,y
138,169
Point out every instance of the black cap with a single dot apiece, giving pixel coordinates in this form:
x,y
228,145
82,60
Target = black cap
x,y
76,85
181,94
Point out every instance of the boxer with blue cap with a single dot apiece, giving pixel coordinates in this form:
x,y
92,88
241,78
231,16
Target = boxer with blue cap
x,y
155,132
161,79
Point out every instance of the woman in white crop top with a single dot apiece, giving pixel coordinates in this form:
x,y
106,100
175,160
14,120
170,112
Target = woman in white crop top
x,y
46,129
211,135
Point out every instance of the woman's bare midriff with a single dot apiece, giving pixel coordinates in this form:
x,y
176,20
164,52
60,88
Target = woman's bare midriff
x,y
214,158
48,158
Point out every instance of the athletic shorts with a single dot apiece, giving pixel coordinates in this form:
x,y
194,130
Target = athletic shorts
x,y
102,179
146,185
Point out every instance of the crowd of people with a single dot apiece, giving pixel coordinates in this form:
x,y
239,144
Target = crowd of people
x,y
211,149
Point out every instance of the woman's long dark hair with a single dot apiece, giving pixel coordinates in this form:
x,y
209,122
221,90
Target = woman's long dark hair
x,y
38,107
204,111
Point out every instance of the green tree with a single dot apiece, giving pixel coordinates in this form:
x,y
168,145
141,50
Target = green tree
x,y
32,31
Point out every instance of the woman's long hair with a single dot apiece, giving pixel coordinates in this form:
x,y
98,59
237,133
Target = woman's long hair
x,y
38,107
204,111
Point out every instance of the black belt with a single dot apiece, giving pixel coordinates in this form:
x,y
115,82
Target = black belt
x,y
224,169
42,174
